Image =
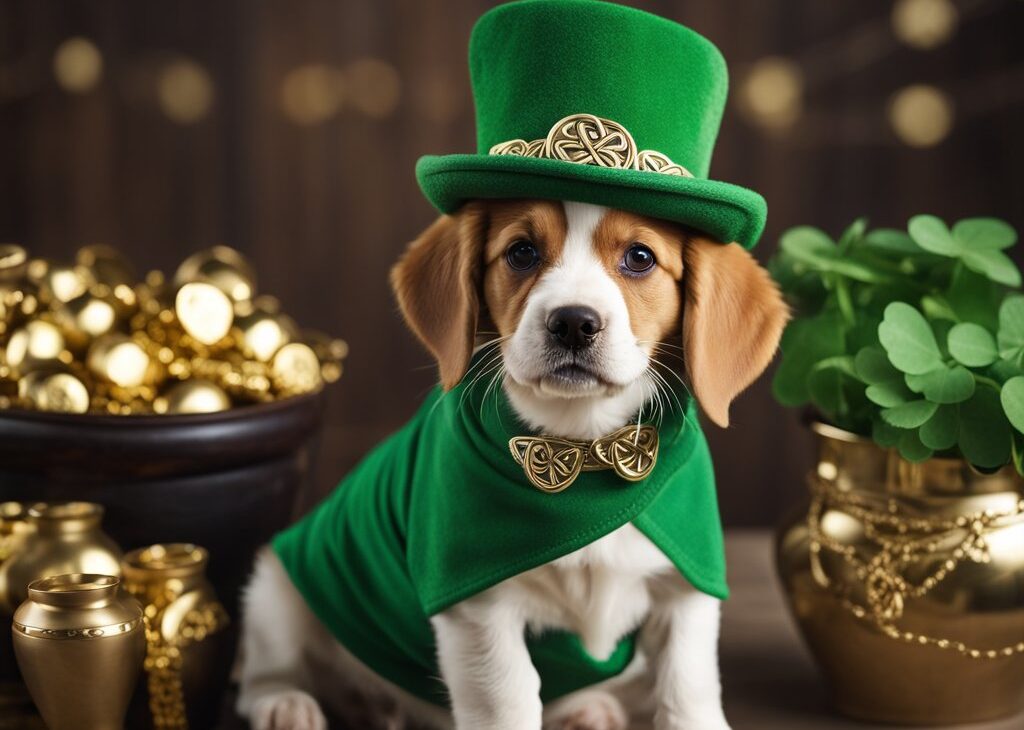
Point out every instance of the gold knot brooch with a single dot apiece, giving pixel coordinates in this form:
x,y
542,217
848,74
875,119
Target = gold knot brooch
x,y
589,140
552,464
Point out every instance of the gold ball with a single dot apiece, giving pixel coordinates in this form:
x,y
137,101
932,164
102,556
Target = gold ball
x,y
261,334
58,282
85,318
37,342
204,311
13,261
296,369
193,396
221,266
57,392
119,359
107,265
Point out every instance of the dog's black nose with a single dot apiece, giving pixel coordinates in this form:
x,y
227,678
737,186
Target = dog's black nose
x,y
574,327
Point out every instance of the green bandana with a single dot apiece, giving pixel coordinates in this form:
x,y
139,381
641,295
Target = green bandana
x,y
440,512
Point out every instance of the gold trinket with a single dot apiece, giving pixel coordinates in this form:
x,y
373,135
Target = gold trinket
x,y
39,343
192,396
296,369
119,359
204,311
79,645
262,333
553,464
13,261
57,392
224,268
85,318
58,282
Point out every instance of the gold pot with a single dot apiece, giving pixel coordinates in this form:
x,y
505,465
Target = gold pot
x,y
907,581
14,527
66,539
80,647
188,654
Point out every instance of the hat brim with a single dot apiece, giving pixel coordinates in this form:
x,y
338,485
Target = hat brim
x,y
724,211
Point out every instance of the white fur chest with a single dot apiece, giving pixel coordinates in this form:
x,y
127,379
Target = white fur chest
x,y
600,592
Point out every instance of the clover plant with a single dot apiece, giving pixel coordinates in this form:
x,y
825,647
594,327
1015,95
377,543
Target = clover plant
x,y
913,338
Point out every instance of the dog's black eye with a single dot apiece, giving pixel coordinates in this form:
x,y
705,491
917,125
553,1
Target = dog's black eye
x,y
638,259
522,255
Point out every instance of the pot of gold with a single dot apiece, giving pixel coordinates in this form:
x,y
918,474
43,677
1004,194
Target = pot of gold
x,y
907,582
189,653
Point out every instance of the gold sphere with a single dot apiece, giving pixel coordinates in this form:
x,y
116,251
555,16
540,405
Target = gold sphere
x,y
36,343
221,266
261,333
296,369
85,318
204,311
193,396
13,261
54,391
119,359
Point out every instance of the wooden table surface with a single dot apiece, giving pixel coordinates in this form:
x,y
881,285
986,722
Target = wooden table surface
x,y
769,680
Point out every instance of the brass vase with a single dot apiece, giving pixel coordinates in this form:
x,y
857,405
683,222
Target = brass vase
x,y
80,645
188,655
907,582
66,538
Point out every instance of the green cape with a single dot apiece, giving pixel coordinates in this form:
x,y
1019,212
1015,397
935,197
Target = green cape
x,y
440,512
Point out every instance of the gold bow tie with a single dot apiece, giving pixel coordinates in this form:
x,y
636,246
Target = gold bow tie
x,y
553,464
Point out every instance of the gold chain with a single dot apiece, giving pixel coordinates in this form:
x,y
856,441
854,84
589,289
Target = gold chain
x,y
902,541
164,658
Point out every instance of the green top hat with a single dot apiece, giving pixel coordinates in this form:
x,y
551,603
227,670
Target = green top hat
x,y
598,103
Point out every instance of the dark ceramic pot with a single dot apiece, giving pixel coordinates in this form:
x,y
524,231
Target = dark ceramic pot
x,y
226,481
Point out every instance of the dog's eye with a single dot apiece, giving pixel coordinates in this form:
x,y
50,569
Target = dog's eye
x,y
638,259
522,255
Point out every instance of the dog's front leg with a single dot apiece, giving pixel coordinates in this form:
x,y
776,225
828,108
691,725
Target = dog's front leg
x,y
484,662
682,637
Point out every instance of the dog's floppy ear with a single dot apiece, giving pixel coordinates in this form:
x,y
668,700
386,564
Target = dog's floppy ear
x,y
437,284
733,317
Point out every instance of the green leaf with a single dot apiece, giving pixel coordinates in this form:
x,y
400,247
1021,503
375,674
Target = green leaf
x,y
890,240
814,248
873,366
996,265
937,308
1011,328
884,434
805,343
853,233
944,385
941,430
825,388
985,433
842,363
910,415
1012,399
989,233
912,449
974,298
972,345
908,340
932,235
888,394
1003,370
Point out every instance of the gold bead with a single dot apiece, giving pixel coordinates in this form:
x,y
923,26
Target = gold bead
x,y
39,343
119,359
204,311
58,392
192,396
221,266
296,369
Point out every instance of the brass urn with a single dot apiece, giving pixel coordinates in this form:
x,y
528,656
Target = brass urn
x,y
188,654
907,582
66,538
79,645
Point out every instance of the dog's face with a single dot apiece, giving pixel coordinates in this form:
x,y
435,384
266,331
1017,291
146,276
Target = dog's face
x,y
583,299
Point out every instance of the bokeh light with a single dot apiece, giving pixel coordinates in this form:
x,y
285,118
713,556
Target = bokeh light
x,y
78,65
771,94
924,23
921,115
185,91
312,93
374,87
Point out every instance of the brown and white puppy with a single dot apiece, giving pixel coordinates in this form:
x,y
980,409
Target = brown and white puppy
x,y
589,308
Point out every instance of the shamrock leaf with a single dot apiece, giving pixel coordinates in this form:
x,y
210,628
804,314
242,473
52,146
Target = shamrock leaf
x,y
853,233
884,434
805,343
1011,329
814,248
985,433
943,385
932,235
974,298
985,233
941,430
908,340
910,415
975,241
912,449
972,345
1012,399
890,240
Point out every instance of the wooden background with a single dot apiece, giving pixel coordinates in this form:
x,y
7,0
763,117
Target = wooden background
x,y
324,209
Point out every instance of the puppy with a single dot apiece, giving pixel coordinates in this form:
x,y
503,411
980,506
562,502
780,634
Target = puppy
x,y
590,316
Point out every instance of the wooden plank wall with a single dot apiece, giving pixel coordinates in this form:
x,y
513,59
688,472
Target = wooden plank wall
x,y
324,210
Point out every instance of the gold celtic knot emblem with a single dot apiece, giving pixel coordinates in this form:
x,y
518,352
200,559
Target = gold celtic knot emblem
x,y
553,464
591,140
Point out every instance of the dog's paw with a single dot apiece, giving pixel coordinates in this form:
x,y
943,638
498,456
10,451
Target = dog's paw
x,y
291,710
589,711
